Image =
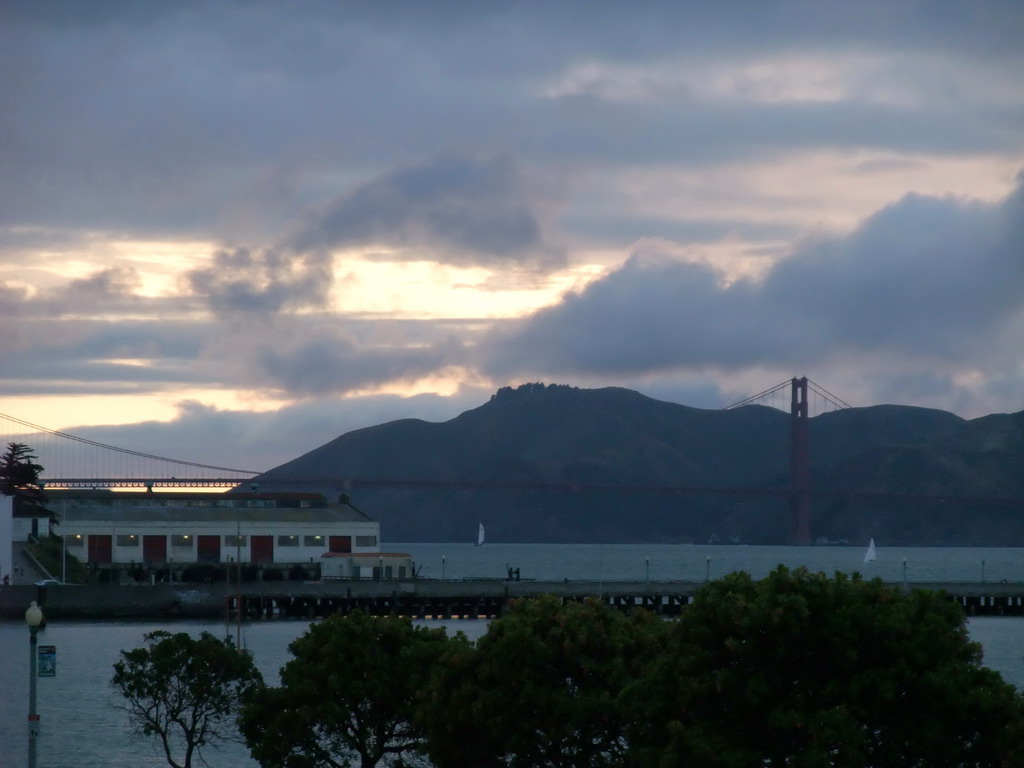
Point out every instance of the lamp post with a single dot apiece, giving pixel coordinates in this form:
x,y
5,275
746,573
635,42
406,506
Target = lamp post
x,y
33,617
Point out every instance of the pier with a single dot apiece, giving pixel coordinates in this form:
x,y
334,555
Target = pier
x,y
415,598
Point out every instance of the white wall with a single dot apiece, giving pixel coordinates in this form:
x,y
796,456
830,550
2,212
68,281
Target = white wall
x,y
6,535
299,554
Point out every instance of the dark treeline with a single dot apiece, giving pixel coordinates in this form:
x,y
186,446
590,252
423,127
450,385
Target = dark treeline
x,y
797,669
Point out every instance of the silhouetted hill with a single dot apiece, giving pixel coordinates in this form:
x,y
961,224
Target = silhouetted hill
x,y
556,463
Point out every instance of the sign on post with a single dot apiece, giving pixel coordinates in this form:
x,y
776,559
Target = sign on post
x,y
47,661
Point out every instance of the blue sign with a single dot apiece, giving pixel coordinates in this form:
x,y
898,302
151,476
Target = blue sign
x,y
47,661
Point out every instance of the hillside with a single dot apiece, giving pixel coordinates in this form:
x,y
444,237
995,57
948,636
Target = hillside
x,y
556,463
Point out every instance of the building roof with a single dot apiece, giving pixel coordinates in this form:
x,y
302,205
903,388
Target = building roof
x,y
90,513
365,555
89,506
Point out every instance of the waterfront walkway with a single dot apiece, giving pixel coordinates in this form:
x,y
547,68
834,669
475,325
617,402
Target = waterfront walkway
x,y
417,598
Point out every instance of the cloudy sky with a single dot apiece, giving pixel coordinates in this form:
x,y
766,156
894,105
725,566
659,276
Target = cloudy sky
x,y
233,231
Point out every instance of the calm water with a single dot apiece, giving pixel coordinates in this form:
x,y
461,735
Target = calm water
x,y
83,728
692,562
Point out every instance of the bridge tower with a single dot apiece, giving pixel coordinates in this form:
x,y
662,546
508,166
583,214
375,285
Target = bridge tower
x,y
799,464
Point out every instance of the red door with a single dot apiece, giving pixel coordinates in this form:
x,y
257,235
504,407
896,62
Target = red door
x,y
208,549
154,549
341,543
100,549
261,549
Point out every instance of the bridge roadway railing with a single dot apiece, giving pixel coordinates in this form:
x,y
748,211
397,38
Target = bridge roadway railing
x,y
416,598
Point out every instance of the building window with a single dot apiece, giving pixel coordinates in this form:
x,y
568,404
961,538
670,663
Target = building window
x,y
235,541
314,541
127,540
181,540
366,541
287,541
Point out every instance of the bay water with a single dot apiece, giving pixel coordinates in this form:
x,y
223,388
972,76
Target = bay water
x,y
83,727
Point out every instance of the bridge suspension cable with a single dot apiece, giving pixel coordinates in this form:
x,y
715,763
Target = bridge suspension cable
x,y
833,400
124,451
830,399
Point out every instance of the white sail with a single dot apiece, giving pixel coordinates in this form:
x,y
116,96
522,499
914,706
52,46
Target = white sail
x,y
480,536
869,556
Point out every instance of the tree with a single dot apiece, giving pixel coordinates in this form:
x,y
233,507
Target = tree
x,y
800,669
19,473
544,686
348,691
185,691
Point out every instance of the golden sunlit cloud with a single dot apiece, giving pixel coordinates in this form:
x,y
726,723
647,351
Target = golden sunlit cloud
x,y
67,411
428,290
80,255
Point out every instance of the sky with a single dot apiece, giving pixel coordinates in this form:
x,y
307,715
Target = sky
x,y
233,231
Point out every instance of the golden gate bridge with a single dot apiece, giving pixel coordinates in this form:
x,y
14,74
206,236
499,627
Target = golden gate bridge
x,y
72,461
799,490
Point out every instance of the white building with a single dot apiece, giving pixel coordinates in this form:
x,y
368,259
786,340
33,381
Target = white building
x,y
367,565
20,521
152,528
6,536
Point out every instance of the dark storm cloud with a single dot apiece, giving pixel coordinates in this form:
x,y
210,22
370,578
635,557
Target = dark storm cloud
x,y
50,355
89,319
172,341
703,135
337,364
107,290
262,280
70,376
452,209
92,340
460,209
111,291
228,119
14,242
982,25
12,297
455,131
923,277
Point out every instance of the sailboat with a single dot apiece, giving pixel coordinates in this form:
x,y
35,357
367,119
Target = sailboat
x,y
480,536
869,556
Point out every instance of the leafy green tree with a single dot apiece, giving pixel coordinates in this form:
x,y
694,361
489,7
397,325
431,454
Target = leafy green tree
x,y
185,691
800,669
19,472
544,687
348,693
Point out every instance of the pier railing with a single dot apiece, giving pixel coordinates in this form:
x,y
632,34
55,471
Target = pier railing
x,y
415,598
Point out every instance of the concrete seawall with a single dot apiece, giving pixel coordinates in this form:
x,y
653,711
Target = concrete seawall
x,y
416,598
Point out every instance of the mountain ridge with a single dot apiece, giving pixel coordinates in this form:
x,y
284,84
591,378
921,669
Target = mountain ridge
x,y
558,463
